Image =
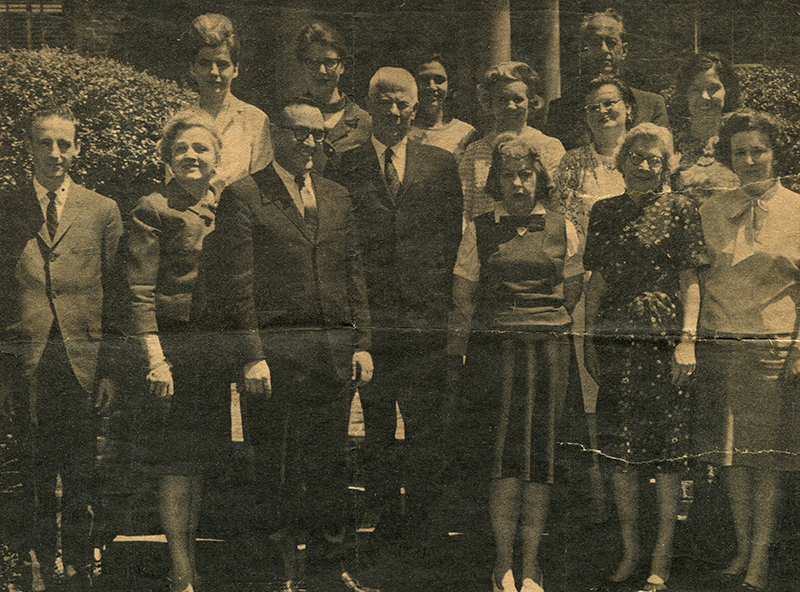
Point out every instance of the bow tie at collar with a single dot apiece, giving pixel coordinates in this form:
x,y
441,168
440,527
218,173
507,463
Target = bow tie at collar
x,y
749,215
533,222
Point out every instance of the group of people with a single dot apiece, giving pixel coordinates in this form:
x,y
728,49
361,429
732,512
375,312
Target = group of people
x,y
329,248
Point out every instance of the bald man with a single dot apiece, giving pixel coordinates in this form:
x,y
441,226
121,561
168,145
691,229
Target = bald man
x,y
407,202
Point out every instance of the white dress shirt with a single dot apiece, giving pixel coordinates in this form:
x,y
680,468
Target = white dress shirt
x,y
61,196
398,156
301,200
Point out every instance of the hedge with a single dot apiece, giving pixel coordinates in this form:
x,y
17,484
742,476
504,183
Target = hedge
x,y
776,91
121,112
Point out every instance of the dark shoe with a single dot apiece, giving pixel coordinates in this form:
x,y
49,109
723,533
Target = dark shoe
x,y
728,582
77,583
611,586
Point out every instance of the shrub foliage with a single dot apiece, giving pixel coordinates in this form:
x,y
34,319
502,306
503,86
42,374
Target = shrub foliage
x,y
121,112
776,91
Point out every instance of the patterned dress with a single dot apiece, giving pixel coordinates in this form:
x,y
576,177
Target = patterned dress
x,y
640,248
700,175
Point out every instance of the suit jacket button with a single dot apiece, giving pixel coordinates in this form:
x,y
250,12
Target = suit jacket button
x,y
53,256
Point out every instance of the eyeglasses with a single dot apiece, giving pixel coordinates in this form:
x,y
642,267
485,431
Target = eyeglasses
x,y
301,133
329,63
607,105
653,162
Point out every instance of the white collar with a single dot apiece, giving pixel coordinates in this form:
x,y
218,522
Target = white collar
x,y
399,149
61,192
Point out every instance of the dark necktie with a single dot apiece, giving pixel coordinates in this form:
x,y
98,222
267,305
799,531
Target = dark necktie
x,y
310,214
52,215
390,174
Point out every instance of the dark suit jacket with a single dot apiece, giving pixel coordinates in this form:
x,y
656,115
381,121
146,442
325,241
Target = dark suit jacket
x,y
272,271
566,119
65,278
410,243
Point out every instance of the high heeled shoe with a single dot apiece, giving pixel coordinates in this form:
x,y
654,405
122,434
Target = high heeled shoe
x,y
506,585
654,584
529,585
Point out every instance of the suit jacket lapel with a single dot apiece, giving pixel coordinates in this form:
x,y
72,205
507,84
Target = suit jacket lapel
x,y
72,207
375,173
274,191
32,213
412,167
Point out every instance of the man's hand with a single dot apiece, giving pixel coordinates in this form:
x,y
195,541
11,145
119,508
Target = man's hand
x,y
105,396
362,368
257,379
159,381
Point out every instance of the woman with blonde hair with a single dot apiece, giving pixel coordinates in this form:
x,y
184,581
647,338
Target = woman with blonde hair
x,y
164,240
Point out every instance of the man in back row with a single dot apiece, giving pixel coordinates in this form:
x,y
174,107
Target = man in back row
x,y
603,51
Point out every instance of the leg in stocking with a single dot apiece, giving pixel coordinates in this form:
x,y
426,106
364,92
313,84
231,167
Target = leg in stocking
x,y
626,495
667,494
739,484
765,490
535,501
175,507
504,506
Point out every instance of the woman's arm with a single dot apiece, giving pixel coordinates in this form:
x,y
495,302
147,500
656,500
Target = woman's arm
x,y
683,363
465,284
595,292
141,268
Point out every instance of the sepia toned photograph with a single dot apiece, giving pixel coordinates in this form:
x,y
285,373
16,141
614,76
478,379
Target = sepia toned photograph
x,y
399,296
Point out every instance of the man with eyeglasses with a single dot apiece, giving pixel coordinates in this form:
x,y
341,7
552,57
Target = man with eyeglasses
x,y
408,204
288,287
603,51
320,50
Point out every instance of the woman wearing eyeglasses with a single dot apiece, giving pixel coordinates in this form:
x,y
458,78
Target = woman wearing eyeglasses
x,y
644,248
213,51
321,51
586,175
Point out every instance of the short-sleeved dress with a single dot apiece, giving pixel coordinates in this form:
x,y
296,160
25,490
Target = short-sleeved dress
x,y
700,175
520,326
640,248
163,244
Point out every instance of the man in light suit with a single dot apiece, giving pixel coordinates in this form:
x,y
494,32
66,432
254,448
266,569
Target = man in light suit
x,y
58,242
295,303
603,51
408,205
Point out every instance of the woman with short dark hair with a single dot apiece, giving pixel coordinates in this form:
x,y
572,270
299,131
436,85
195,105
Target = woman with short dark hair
x,y
432,124
708,87
322,52
747,413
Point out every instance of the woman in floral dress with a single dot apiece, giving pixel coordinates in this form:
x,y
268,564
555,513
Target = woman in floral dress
x,y
644,248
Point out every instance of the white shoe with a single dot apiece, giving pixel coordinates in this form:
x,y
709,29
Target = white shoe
x,y
507,585
528,585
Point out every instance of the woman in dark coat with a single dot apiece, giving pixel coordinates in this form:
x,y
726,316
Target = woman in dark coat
x,y
164,239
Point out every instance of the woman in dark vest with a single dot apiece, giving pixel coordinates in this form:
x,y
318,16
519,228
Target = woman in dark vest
x,y
519,274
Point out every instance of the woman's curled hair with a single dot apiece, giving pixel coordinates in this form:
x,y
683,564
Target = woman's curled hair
x,y
179,123
516,147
